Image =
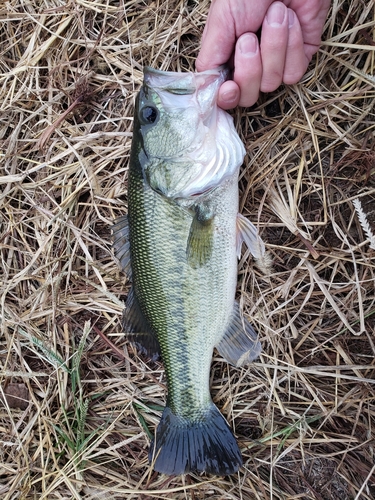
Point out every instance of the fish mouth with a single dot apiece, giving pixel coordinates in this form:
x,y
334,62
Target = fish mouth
x,y
202,193
183,83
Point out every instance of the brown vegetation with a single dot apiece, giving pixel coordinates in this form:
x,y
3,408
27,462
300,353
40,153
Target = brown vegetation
x,y
77,404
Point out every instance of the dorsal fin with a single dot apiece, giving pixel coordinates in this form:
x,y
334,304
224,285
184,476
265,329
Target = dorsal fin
x,y
240,344
137,328
121,246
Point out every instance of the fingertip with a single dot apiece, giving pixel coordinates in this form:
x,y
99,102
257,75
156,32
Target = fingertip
x,y
296,60
248,45
229,95
293,74
291,18
248,68
276,15
273,46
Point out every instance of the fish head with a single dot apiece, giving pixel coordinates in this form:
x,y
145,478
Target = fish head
x,y
168,128
184,135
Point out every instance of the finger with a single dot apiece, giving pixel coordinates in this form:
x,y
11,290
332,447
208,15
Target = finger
x,y
229,95
273,46
311,15
296,61
247,68
228,20
218,38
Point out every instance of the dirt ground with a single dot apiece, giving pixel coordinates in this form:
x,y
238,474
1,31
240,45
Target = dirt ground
x,y
78,405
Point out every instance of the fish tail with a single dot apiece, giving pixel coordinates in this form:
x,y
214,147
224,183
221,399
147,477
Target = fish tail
x,y
205,444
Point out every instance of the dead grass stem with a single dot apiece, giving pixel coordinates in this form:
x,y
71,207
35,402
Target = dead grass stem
x,y
77,403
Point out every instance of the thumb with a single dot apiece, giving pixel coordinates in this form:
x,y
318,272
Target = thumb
x,y
218,39
227,20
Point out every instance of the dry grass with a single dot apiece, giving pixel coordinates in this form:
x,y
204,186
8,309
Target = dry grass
x,y
78,405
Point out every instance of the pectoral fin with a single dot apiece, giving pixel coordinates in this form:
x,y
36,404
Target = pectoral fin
x,y
247,233
137,328
240,344
199,244
120,234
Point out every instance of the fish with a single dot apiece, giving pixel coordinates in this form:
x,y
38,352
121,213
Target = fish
x,y
179,243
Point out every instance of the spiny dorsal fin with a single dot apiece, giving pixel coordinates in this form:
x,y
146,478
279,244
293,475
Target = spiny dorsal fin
x,y
240,344
137,328
247,233
120,235
199,244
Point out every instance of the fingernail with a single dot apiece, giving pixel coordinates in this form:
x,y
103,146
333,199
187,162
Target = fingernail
x,y
276,14
290,17
248,45
229,96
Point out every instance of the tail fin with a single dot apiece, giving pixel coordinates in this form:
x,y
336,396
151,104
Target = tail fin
x,y
205,445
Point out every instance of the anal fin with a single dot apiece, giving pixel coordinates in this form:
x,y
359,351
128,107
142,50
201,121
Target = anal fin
x,y
247,233
240,344
137,328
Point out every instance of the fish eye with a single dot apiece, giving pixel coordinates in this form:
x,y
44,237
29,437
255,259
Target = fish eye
x,y
148,114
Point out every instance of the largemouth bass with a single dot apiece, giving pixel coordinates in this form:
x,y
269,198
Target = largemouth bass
x,y
180,241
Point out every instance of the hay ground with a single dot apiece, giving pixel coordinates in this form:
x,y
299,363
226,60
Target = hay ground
x,y
77,404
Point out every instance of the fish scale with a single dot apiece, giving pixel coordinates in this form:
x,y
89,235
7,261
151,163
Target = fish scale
x,y
188,315
184,236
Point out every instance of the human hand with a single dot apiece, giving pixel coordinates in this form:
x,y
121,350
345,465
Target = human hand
x,y
290,36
